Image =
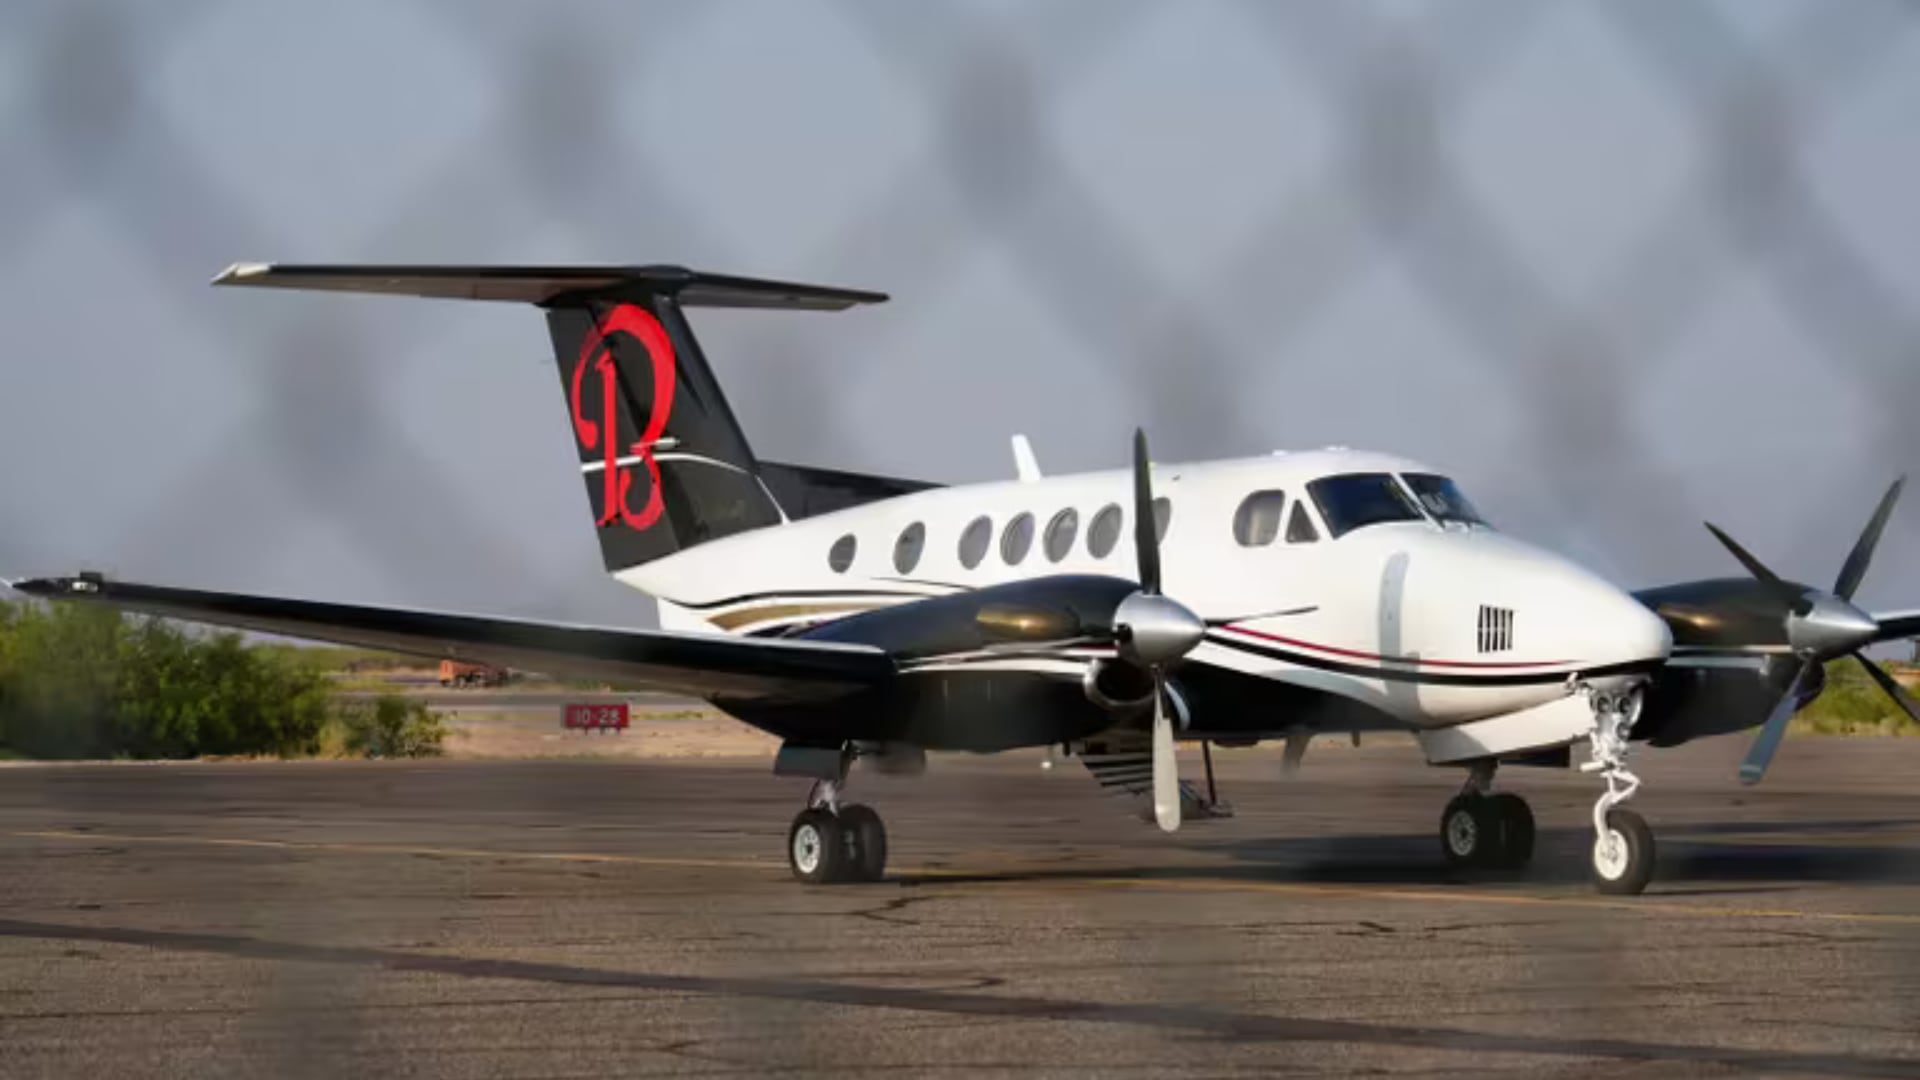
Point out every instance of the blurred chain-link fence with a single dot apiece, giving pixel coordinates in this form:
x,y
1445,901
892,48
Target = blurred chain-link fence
x,y
1620,265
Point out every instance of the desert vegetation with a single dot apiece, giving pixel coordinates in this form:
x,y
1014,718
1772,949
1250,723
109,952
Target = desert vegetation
x,y
78,681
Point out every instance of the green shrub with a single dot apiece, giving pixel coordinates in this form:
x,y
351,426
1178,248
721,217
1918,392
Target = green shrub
x,y
392,726
1852,704
78,680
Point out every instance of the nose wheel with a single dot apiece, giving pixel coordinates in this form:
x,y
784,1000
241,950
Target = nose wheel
x,y
1623,854
830,842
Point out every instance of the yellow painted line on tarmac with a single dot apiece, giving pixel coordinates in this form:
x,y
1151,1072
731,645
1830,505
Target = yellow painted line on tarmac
x,y
1012,877
1654,907
397,849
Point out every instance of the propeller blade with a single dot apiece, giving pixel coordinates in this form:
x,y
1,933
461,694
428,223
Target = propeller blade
x,y
1754,566
1855,568
1166,768
1894,690
1231,619
1761,754
1146,539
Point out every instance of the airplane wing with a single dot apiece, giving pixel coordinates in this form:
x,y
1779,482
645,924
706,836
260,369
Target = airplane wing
x,y
698,665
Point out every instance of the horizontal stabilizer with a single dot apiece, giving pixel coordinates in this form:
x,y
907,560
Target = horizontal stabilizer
x,y
698,665
545,284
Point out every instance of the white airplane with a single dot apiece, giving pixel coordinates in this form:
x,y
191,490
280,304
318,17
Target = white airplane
x,y
1110,614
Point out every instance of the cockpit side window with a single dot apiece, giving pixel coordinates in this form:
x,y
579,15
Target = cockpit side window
x,y
1300,528
1443,499
1257,521
1355,500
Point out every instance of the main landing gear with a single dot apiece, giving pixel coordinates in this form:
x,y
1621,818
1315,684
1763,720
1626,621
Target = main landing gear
x,y
1623,845
1483,830
831,841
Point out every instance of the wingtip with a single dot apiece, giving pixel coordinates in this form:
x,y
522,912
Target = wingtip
x,y
84,582
239,272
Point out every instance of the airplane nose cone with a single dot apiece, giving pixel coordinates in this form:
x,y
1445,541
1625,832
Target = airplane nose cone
x,y
1625,639
1832,626
1615,628
1644,634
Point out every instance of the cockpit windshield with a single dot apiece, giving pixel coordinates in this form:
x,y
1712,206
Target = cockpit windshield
x,y
1443,499
1354,500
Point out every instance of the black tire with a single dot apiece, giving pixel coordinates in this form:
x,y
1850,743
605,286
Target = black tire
x,y
866,840
816,848
1628,871
1469,831
1515,827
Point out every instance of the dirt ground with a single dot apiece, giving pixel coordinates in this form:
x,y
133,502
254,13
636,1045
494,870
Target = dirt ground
x,y
670,732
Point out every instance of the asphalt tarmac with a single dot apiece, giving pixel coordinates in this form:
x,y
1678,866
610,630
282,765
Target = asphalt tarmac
x,y
559,919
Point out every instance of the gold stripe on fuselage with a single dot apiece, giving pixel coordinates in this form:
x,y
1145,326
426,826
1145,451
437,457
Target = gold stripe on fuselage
x,y
769,612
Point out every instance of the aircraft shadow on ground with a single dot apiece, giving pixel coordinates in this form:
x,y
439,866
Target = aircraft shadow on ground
x,y
1688,855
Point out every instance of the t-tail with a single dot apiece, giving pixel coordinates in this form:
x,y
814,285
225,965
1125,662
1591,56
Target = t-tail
x,y
665,462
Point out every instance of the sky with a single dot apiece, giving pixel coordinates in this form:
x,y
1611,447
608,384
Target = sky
x,y
1616,267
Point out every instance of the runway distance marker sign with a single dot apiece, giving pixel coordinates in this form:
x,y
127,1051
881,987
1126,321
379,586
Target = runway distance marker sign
x,y
596,717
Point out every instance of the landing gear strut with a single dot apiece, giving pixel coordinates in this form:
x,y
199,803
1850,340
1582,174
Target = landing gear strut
x,y
1482,829
1623,853
831,841
1623,844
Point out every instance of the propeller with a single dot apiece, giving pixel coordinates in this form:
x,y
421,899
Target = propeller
x,y
1153,632
1821,626
1150,631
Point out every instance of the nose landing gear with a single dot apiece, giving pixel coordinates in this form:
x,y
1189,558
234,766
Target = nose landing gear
x,y
1623,850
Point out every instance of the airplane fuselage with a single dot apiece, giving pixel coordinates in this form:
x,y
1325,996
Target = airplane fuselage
x,y
1343,596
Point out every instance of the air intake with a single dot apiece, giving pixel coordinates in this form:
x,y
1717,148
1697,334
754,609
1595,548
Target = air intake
x,y
1496,629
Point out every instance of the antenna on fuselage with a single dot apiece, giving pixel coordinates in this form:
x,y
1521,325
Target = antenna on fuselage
x,y
1025,465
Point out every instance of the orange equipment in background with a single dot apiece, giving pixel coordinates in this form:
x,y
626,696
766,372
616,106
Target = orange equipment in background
x,y
455,673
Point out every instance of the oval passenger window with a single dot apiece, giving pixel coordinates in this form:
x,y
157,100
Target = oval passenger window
x,y
906,550
1104,532
1061,533
975,541
840,555
1015,542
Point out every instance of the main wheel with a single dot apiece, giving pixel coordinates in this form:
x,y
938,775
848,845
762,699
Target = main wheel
x,y
866,840
1469,831
1515,821
1623,855
816,847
